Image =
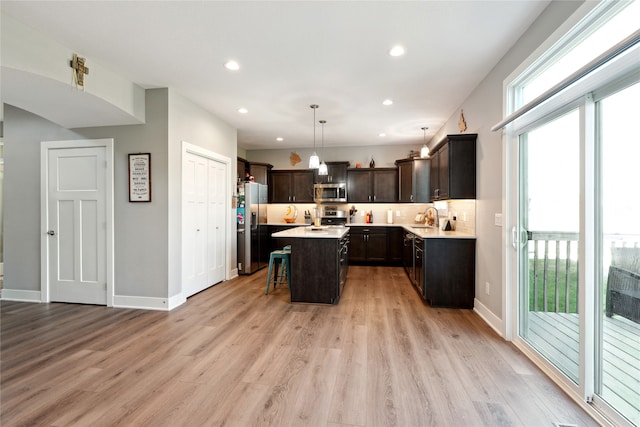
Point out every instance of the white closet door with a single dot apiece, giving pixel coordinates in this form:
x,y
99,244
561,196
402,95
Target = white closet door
x,y
216,247
204,237
194,231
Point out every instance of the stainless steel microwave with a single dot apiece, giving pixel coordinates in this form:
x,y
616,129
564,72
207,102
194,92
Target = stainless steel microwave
x,y
335,192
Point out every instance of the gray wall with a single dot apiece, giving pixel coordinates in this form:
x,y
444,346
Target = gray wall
x,y
147,235
483,109
141,242
190,123
384,156
23,133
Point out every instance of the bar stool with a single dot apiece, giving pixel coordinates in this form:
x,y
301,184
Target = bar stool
x,y
282,257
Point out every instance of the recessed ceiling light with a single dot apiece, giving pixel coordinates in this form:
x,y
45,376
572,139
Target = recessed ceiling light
x,y
396,51
382,134
232,65
279,139
242,110
387,102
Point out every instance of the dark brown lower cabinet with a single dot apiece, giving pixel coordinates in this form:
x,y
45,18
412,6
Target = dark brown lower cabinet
x,y
318,269
449,272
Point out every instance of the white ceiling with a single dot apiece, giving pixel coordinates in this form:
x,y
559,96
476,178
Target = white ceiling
x,y
295,53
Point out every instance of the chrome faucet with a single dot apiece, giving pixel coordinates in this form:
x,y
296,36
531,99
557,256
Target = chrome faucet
x,y
426,216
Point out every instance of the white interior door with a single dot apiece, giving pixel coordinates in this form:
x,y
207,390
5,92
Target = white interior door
x,y
204,238
195,224
217,185
77,224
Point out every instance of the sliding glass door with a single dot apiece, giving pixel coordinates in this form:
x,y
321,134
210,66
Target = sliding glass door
x,y
549,212
579,215
618,308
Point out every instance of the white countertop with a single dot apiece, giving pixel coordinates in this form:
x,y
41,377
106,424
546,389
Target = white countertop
x,y
436,233
326,232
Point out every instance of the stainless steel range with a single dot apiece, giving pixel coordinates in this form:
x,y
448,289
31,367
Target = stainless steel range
x,y
331,215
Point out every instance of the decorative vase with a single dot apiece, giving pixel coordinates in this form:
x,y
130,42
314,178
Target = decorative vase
x,y
372,163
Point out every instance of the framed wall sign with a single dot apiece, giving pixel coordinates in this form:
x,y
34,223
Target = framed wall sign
x,y
140,177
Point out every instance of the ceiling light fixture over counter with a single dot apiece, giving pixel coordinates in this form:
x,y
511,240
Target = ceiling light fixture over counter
x,y
314,160
242,110
424,151
323,170
387,102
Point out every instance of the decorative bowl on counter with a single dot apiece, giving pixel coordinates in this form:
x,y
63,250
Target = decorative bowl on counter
x,y
290,214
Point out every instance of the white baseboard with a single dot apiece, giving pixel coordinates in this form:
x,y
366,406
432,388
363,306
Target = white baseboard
x,y
20,295
233,274
490,319
147,303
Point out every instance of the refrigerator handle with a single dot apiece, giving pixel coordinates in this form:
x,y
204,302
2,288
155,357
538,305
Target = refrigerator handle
x,y
254,220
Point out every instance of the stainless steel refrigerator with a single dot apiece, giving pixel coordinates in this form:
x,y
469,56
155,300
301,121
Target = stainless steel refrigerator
x,y
253,238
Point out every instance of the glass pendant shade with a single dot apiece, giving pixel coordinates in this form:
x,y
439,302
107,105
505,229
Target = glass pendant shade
x,y
424,151
322,170
314,161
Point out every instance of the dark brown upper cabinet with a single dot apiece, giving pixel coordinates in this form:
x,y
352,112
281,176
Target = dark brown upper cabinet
x,y
453,168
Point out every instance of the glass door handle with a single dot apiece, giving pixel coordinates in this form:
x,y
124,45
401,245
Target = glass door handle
x,y
519,237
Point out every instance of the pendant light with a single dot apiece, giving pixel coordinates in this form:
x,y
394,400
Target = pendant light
x,y
322,170
424,151
314,160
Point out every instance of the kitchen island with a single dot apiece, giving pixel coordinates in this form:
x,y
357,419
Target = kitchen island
x,y
318,262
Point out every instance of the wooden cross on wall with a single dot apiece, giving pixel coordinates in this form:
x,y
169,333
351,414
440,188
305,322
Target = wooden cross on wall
x,y
79,70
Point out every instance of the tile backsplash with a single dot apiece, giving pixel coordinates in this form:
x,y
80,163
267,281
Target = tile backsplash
x,y
402,213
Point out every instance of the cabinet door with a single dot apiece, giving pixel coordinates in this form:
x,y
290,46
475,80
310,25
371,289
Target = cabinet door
x,y
279,187
421,180
358,186
302,187
443,172
385,186
449,274
241,170
462,169
337,172
377,245
405,181
395,239
260,172
357,245
434,175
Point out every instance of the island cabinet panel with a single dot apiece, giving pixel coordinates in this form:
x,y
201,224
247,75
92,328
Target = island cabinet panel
x,y
277,243
453,168
287,186
414,180
372,185
448,272
315,270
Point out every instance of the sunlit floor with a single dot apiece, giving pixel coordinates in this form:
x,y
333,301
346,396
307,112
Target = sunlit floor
x,y
557,336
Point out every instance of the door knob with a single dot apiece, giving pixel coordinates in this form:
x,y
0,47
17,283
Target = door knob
x,y
51,233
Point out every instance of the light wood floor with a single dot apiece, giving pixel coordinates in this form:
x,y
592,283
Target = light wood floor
x,y
236,357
